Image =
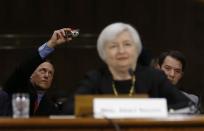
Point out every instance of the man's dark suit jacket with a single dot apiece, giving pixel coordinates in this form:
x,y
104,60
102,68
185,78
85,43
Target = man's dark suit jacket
x,y
148,80
4,103
19,81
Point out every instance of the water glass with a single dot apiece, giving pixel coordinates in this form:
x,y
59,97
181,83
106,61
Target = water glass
x,y
20,105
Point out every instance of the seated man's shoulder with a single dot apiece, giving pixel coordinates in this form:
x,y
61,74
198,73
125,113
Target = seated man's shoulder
x,y
192,97
3,94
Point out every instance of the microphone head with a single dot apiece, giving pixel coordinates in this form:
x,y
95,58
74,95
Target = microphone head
x,y
131,71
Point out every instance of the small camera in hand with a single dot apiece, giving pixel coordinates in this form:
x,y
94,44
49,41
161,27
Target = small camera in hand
x,y
72,34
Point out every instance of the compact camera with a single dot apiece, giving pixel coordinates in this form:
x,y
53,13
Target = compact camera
x,y
73,33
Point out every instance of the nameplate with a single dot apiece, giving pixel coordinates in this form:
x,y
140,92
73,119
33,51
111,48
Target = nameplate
x,y
129,107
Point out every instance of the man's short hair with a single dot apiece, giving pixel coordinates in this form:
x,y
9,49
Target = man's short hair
x,y
175,54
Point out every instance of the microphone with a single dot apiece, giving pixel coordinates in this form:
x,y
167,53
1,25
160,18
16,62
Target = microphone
x,y
131,72
73,33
